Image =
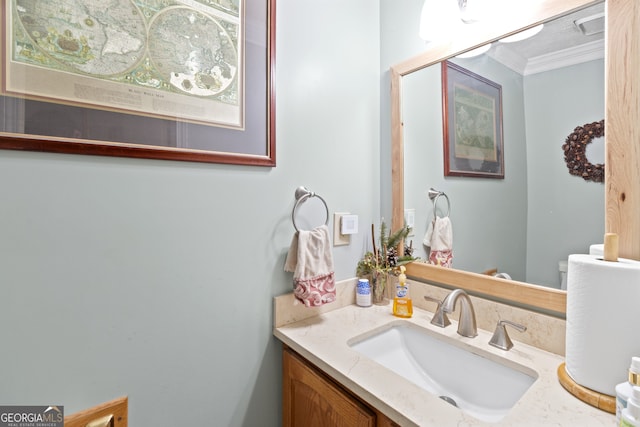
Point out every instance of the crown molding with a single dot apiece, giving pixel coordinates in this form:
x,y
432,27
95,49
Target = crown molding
x,y
549,61
565,57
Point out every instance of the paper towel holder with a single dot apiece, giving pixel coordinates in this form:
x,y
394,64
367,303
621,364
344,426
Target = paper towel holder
x,y
610,247
598,400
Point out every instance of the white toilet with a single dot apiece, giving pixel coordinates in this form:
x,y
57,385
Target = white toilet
x,y
597,249
562,266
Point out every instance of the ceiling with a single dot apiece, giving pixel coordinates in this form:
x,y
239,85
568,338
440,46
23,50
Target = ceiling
x,y
562,42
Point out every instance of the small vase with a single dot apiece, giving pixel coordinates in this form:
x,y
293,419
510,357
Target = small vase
x,y
379,287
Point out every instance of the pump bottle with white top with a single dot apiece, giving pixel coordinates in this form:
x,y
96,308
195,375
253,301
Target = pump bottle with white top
x,y
631,414
402,306
624,390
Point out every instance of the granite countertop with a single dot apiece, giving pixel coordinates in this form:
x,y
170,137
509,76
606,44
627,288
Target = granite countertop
x,y
323,340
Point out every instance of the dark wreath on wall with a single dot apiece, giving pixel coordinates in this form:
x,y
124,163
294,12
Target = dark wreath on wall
x,y
575,152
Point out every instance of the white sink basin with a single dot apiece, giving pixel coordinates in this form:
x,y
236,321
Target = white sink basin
x,y
481,384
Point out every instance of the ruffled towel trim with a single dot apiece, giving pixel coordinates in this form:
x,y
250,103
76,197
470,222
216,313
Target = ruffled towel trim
x,y
315,291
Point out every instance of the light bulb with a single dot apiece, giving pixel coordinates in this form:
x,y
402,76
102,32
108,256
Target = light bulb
x,y
523,34
475,52
439,19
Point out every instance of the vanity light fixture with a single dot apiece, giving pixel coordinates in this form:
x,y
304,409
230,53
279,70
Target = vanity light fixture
x,y
470,10
439,19
522,35
475,52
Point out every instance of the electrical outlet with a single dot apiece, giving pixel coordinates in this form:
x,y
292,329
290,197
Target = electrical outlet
x,y
339,239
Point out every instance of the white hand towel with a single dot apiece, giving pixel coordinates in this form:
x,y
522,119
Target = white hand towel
x,y
439,239
311,261
427,237
442,235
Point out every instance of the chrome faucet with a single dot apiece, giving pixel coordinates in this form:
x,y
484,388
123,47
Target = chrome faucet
x,y
501,338
467,322
439,316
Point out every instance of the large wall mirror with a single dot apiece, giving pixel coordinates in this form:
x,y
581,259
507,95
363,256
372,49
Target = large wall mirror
x,y
526,224
538,214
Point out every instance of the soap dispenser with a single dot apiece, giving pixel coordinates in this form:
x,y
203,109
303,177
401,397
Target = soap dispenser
x,y
631,414
624,390
402,306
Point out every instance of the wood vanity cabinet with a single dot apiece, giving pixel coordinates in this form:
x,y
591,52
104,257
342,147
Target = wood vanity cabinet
x,y
310,398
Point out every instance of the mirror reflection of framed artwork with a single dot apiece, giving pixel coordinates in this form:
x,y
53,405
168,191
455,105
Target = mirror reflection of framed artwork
x,y
472,123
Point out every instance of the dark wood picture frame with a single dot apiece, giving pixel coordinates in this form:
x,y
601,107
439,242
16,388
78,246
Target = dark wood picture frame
x,y
472,124
114,133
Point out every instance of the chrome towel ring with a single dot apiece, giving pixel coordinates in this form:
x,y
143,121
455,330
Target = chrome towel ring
x,y
434,195
302,195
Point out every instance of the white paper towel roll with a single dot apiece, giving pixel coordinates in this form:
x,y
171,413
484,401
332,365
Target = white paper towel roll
x,y
603,320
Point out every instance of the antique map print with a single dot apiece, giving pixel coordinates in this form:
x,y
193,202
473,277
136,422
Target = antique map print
x,y
166,58
475,129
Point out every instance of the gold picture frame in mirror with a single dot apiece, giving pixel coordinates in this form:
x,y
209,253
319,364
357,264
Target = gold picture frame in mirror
x,y
622,192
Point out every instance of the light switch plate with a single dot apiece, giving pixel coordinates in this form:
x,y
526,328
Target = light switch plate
x,y
348,224
339,239
410,219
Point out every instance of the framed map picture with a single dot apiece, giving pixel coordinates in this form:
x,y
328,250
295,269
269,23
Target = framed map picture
x,y
167,79
472,123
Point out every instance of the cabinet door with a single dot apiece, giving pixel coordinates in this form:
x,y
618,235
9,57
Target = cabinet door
x,y
311,400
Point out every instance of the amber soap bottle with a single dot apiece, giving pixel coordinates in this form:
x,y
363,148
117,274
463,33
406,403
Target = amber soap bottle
x,y
402,306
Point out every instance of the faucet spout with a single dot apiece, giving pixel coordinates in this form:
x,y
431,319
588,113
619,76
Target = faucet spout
x,y
467,322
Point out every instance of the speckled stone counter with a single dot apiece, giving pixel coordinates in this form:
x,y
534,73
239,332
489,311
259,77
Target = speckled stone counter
x,y
323,339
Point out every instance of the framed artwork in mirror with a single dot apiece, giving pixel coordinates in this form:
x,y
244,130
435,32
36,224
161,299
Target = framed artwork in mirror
x,y
472,124
181,80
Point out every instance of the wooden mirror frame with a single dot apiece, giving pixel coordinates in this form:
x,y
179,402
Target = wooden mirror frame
x,y
622,144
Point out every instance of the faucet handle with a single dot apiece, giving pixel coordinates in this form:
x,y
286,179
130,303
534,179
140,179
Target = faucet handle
x,y
439,316
501,338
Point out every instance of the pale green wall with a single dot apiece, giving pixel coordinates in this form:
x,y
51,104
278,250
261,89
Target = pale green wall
x,y
154,279
398,41
566,213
